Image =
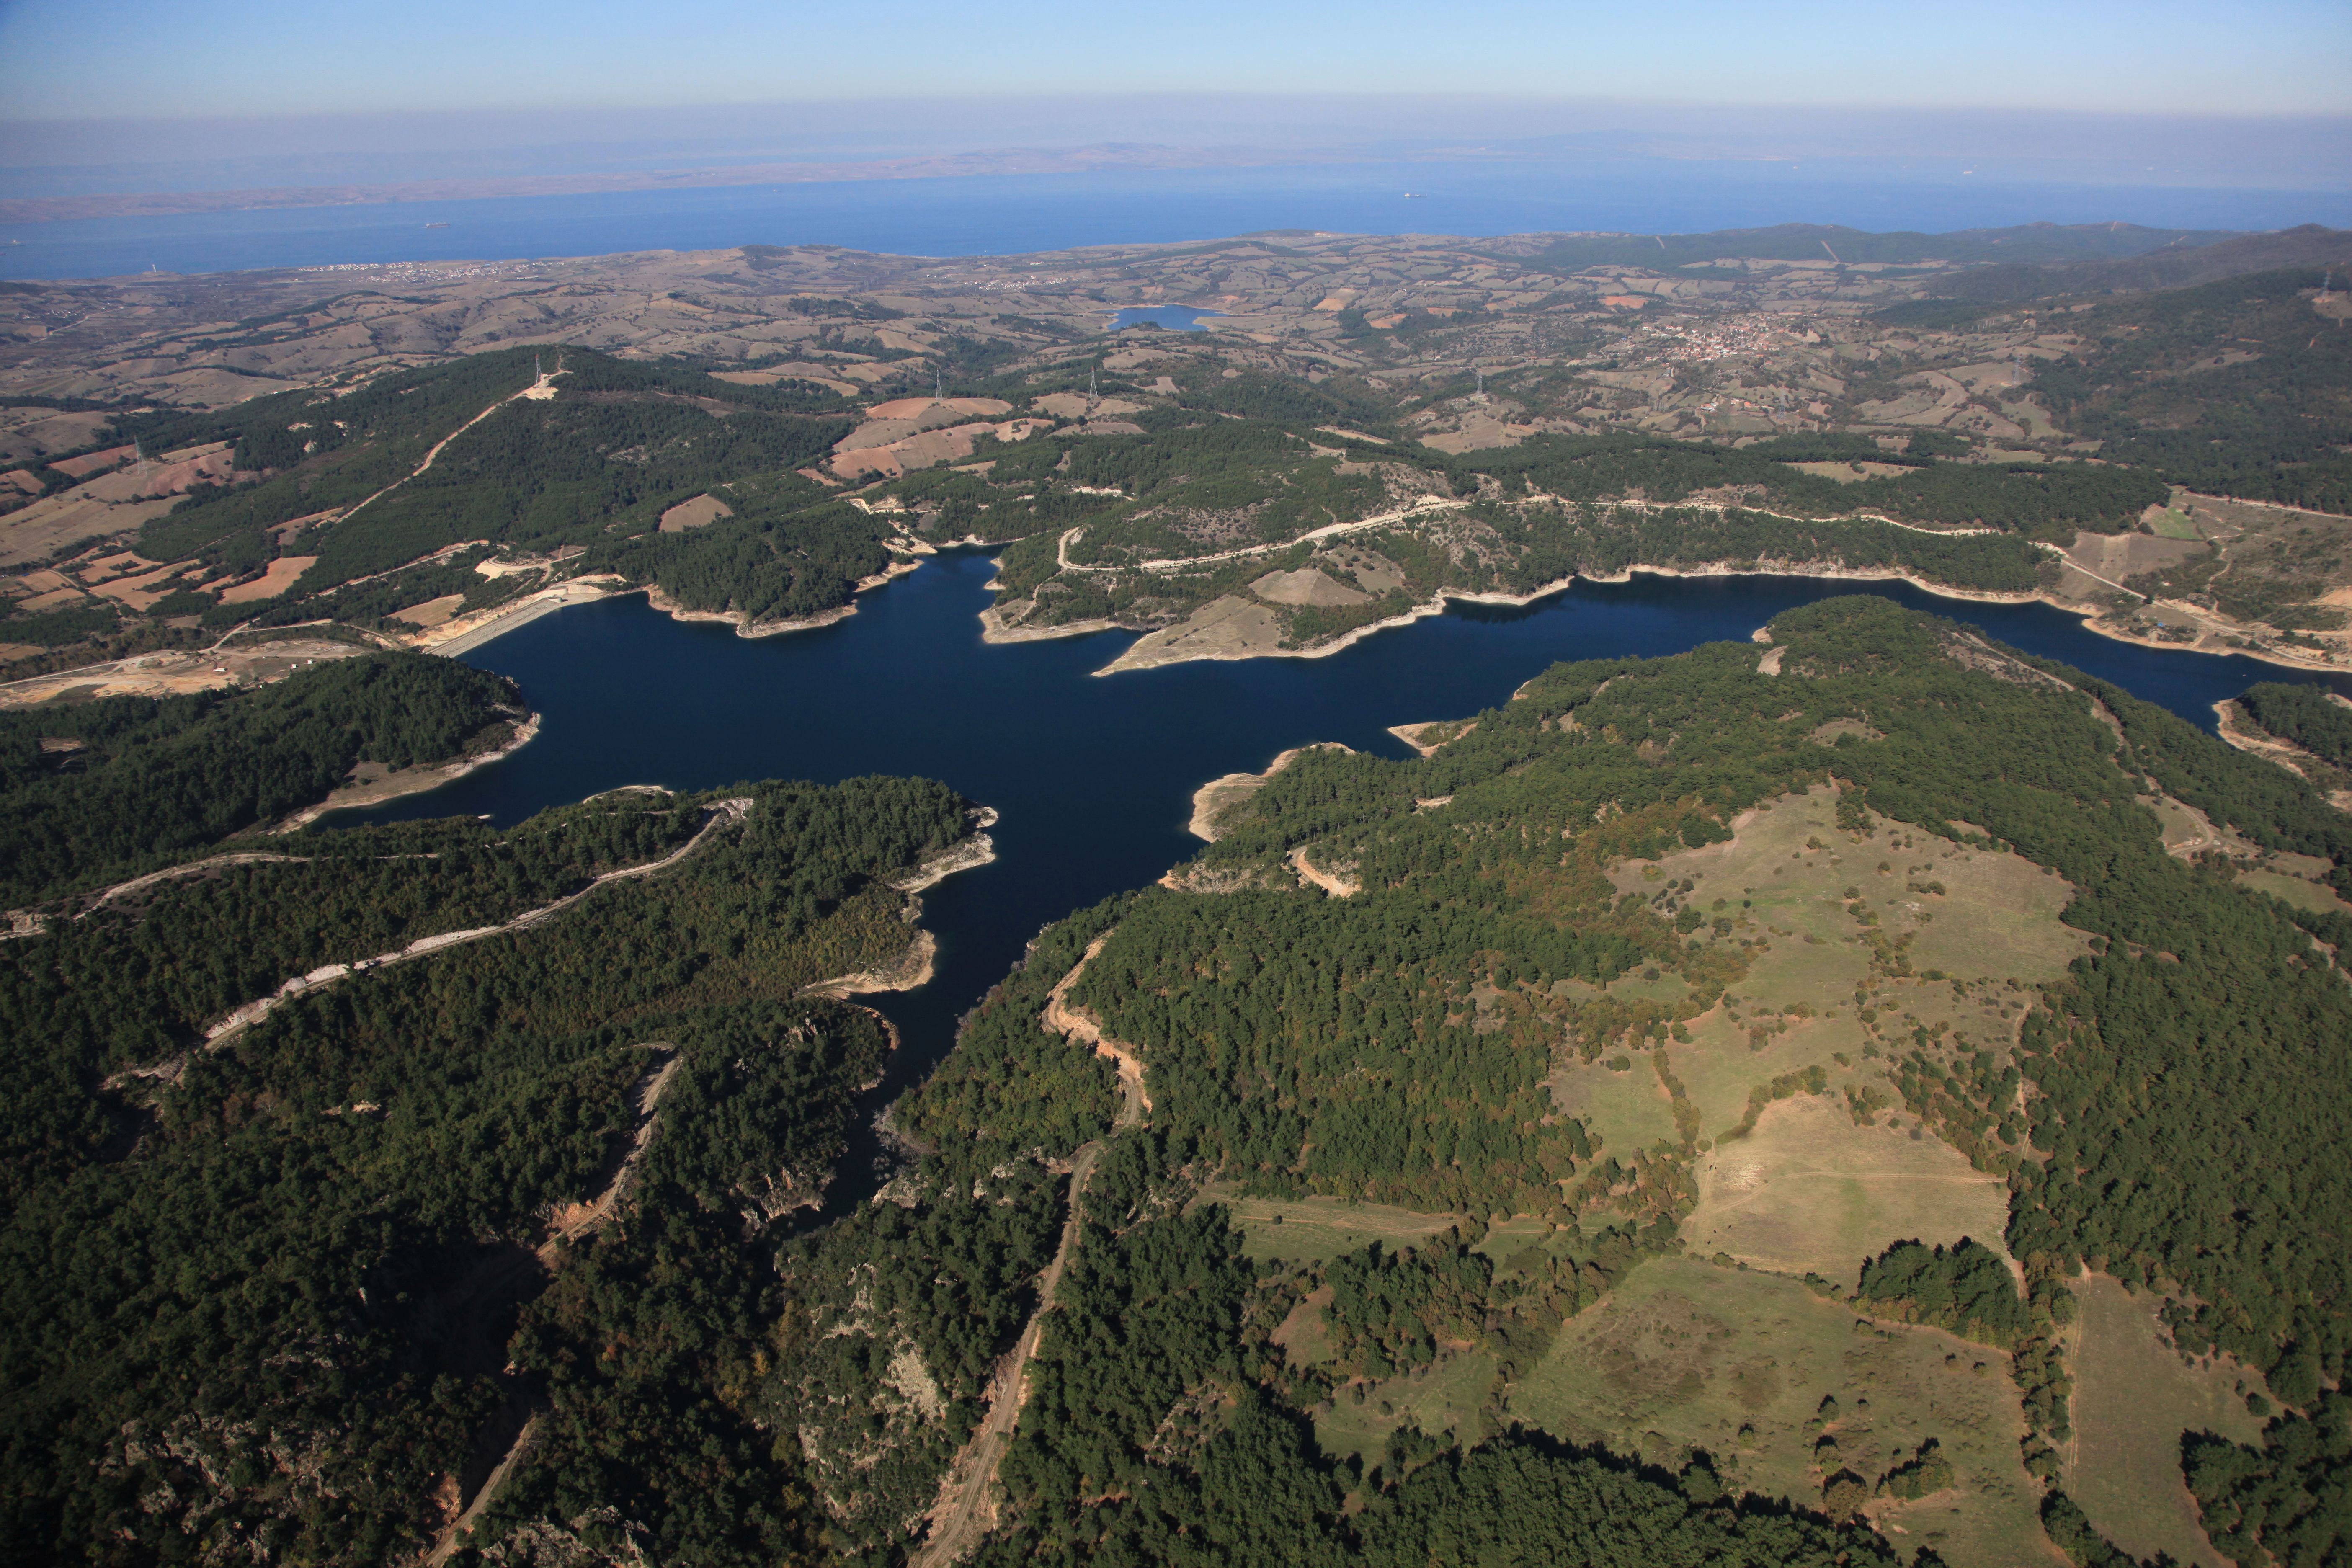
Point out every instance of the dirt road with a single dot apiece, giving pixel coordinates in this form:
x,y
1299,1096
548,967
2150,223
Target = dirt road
x,y
722,813
966,1512
1078,1024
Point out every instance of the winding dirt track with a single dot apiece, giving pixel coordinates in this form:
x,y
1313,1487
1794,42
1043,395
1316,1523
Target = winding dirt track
x,y
577,1221
33,922
544,387
1329,530
966,1510
722,813
1077,1024
457,1528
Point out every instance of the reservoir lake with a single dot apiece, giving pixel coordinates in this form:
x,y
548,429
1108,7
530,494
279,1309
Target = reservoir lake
x,y
1093,777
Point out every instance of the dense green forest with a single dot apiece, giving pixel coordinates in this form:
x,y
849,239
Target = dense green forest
x,y
2289,1501
786,552
105,790
257,1301
2166,382
2307,715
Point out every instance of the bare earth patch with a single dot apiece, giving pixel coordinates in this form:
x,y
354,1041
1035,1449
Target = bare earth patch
x,y
431,612
281,575
1305,586
1224,628
695,514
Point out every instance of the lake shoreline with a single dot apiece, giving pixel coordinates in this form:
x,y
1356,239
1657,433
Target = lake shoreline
x,y
406,781
590,591
1129,659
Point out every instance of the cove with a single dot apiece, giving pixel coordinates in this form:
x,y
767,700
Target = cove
x,y
1094,778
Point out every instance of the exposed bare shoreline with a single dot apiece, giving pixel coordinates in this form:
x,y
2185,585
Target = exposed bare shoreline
x,y
994,631
1436,606
1219,795
412,781
590,591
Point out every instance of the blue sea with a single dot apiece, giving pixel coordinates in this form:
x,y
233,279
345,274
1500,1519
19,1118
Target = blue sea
x,y
1015,214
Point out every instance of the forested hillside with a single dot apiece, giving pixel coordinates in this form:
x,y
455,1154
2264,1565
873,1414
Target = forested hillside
x,y
2233,387
1414,1044
1413,1236
103,791
260,1280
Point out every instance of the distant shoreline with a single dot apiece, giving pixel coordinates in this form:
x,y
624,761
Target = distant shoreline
x,y
1130,660
506,618
1012,161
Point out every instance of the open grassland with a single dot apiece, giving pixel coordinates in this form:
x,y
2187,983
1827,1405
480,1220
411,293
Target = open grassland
x,y
1315,1230
2133,1396
1620,1099
1810,1191
1807,1160
1685,1355
2296,891
1448,1395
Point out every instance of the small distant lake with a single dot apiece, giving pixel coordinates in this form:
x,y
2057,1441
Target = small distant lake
x,y
1093,777
1175,318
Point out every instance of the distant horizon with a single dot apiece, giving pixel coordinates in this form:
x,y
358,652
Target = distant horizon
x,y
51,170
1026,214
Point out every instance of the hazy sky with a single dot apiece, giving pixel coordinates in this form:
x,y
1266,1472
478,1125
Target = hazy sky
x,y
96,59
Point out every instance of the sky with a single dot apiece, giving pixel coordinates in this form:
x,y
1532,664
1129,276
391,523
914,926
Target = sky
x,y
101,59
112,96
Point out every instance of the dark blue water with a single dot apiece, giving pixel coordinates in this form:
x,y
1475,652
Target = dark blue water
x,y
1010,215
1093,777
1175,318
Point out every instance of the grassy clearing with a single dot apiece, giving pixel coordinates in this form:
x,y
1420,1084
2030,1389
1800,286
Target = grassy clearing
x,y
1299,1229
1810,1191
1447,1397
1513,1235
2169,523
2133,1396
1305,1336
1628,1108
1818,1186
2303,895
1685,1355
